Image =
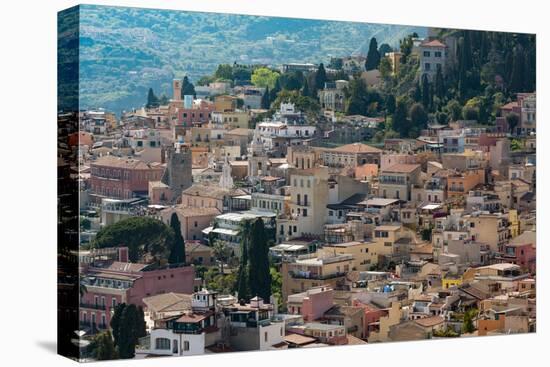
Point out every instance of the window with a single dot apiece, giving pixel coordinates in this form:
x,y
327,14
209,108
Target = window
x,y
437,54
196,224
427,53
175,346
305,199
162,343
186,345
304,213
265,336
427,66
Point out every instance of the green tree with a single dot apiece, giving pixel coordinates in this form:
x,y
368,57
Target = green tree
x,y
470,113
242,284
517,77
426,92
152,99
187,88
103,346
224,72
264,77
512,119
468,321
384,49
419,119
455,109
142,235
275,91
222,253
439,83
305,89
320,77
385,68
259,276
390,104
164,100
128,326
399,119
357,103
177,253
373,55
265,103
276,284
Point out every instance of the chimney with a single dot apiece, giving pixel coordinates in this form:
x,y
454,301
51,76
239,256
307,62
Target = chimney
x,y
123,254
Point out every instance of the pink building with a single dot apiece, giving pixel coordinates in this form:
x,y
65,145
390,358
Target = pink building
x,y
109,283
311,304
521,251
122,178
200,113
372,317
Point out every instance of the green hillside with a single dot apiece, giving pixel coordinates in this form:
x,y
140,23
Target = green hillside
x,y
124,51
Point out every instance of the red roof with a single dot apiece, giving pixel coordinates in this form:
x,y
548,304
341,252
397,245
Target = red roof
x,y
433,43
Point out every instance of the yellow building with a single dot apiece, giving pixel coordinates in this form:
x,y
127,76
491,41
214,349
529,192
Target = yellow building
x,y
364,253
309,271
385,238
450,280
513,223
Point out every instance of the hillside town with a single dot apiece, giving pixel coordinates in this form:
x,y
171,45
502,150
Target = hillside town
x,y
307,205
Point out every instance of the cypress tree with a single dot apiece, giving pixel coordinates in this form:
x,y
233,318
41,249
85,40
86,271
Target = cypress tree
x,y
417,95
243,289
305,89
517,77
439,84
187,88
116,321
265,99
399,120
152,99
259,276
373,55
128,332
425,91
320,77
177,253
275,91
390,104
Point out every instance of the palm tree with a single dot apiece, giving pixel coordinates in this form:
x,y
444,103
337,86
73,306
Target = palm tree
x,y
222,252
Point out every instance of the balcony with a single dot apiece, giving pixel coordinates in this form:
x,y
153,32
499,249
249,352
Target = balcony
x,y
305,275
93,306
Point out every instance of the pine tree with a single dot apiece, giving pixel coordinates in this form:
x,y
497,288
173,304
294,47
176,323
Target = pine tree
x,y
373,55
177,253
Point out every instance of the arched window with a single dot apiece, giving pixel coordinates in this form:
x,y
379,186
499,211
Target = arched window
x,y
162,343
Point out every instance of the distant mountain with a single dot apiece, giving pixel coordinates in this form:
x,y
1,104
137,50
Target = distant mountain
x,y
124,51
